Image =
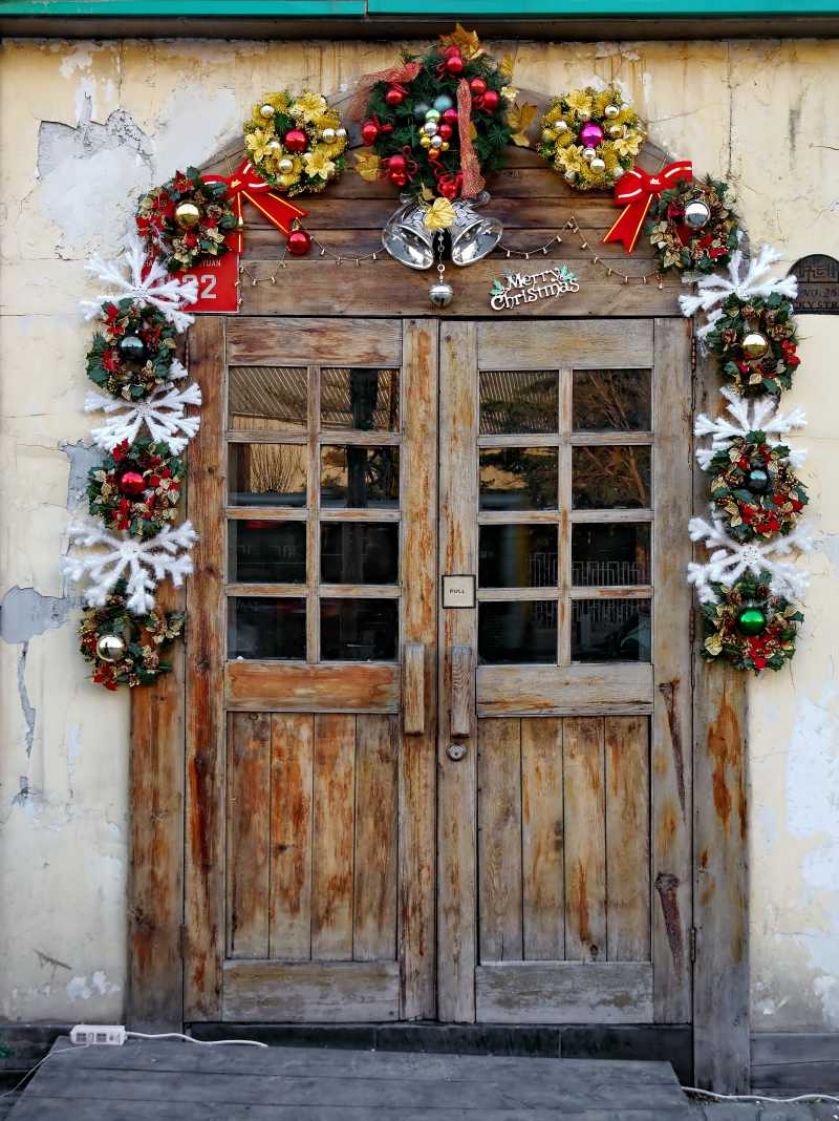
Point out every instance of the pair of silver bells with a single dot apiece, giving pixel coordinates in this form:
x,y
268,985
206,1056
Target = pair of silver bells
x,y
409,241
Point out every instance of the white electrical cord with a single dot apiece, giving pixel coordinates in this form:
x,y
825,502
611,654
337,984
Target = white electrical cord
x,y
190,1039
758,1097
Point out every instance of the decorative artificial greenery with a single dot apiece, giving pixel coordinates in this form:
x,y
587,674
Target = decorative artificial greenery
x,y
144,636
724,639
129,377
591,166
752,513
180,245
284,163
145,509
678,245
772,317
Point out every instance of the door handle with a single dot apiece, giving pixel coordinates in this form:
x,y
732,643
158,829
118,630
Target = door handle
x,y
463,690
413,689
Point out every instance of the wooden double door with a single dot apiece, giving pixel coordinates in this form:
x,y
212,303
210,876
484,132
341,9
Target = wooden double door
x,y
438,690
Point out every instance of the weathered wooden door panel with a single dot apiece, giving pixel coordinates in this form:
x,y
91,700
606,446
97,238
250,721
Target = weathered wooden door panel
x,y
564,831
310,753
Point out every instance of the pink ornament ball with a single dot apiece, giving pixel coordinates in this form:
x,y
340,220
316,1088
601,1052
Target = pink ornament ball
x,y
591,134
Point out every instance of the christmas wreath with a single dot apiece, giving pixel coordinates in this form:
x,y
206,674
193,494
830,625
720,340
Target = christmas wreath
x,y
296,143
749,626
125,648
185,219
134,352
693,226
137,488
756,488
438,123
757,342
591,137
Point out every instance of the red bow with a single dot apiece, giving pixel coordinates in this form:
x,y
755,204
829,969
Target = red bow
x,y
246,183
635,192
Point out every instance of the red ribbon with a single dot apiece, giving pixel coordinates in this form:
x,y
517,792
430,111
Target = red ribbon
x,y
473,181
395,75
635,192
246,183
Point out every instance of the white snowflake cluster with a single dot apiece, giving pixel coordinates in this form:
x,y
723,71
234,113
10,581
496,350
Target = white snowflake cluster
x,y
163,413
747,416
732,559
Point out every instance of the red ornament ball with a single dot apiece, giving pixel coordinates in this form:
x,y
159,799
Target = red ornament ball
x,y
299,243
295,140
369,132
491,100
449,117
478,86
398,178
394,96
449,190
445,131
451,50
397,163
454,64
132,483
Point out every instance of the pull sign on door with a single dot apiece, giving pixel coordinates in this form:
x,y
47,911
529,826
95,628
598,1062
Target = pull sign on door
x,y
458,591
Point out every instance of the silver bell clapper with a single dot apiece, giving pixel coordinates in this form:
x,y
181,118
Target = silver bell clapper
x,y
441,292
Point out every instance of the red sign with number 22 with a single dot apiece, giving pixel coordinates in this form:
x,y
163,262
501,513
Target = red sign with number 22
x,y
218,285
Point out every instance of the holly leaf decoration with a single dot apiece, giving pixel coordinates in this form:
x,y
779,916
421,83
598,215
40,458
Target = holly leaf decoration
x,y
497,288
368,166
520,118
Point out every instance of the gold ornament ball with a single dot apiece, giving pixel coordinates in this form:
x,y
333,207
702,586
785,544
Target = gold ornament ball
x,y
267,111
328,135
187,215
597,164
444,147
611,111
425,141
274,146
615,131
287,180
286,165
341,133
110,648
755,345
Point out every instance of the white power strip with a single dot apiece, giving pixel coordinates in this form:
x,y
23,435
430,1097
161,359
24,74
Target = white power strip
x,y
106,1035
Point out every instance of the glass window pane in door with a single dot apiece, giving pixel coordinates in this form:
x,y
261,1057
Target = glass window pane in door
x,y
611,400
267,474
266,628
360,477
610,477
603,555
610,630
359,630
360,399
518,556
518,478
359,553
511,633
266,552
519,401
270,398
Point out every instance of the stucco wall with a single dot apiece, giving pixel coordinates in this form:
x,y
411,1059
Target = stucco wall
x,y
83,128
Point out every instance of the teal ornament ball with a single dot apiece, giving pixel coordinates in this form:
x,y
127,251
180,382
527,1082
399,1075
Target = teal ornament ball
x,y
442,103
757,480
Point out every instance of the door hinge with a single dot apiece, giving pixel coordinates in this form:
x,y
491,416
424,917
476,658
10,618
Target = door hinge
x,y
692,943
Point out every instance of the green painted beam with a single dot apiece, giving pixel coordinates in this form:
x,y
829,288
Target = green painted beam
x,y
661,9
162,8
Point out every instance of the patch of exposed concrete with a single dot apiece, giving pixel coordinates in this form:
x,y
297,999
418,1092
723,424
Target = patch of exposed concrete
x,y
24,612
82,458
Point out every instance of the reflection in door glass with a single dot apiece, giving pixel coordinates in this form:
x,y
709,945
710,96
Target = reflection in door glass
x,y
610,554
610,477
266,628
518,478
268,397
517,632
519,401
518,556
267,475
359,630
360,399
617,400
359,553
264,552
610,630
359,477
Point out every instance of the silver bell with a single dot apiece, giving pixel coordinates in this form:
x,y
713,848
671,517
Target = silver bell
x,y
440,293
409,241
473,237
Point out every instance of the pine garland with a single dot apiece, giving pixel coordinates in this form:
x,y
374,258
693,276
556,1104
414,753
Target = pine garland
x,y
678,246
771,317
131,376
723,621
143,637
150,503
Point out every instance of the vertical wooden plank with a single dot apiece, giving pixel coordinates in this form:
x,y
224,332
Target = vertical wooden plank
x,y
313,517
332,843
499,840
204,870
458,553
564,493
671,721
721,845
543,903
417,762
154,1000
413,688
462,690
376,850
585,839
248,832
627,838
290,910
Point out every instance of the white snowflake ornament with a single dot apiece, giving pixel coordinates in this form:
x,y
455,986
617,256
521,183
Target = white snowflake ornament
x,y
142,564
732,559
148,283
746,279
759,414
163,413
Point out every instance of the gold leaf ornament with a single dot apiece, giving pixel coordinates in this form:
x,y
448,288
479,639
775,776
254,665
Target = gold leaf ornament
x,y
368,166
520,118
440,215
467,42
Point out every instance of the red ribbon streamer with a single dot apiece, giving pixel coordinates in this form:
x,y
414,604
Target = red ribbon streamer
x,y
473,181
396,75
635,193
245,183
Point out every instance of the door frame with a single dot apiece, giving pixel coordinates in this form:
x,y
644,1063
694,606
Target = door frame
x,y
157,786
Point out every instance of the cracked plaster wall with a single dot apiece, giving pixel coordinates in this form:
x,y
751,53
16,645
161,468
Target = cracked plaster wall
x,y
86,126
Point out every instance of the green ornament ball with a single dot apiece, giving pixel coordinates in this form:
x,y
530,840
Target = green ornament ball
x,y
751,620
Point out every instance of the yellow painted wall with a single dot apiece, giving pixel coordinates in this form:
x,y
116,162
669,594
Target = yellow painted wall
x,y
83,128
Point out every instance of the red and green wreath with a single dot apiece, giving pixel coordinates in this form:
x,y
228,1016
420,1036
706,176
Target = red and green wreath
x,y
756,488
137,488
757,342
438,123
750,627
134,352
185,220
694,227
125,649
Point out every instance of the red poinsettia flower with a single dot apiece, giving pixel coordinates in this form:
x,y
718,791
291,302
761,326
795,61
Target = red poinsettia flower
x,y
190,240
181,183
796,504
110,361
120,452
717,251
789,351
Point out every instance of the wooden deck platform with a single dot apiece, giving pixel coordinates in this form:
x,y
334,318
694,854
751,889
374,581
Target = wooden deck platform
x,y
159,1081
